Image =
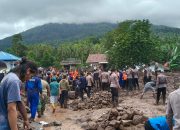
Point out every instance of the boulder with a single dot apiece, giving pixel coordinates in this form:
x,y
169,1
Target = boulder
x,y
119,118
125,116
110,128
84,125
114,112
100,128
121,127
81,105
92,125
119,108
71,95
114,123
137,119
126,122
104,102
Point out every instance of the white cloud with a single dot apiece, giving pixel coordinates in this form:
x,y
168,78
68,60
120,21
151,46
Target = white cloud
x,y
19,15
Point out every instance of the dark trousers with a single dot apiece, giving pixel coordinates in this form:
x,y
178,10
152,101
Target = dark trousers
x,y
97,84
124,84
114,92
148,126
136,83
89,90
129,84
81,92
63,98
145,79
159,91
105,86
149,78
156,73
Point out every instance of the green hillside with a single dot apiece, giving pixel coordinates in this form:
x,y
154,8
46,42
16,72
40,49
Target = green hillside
x,y
54,32
58,33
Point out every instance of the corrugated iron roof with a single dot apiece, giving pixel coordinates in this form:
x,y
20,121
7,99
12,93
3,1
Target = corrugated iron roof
x,y
97,58
4,56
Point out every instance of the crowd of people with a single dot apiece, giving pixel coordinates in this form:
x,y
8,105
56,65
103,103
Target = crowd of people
x,y
39,85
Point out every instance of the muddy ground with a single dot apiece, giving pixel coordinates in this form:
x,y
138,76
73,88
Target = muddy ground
x,y
69,118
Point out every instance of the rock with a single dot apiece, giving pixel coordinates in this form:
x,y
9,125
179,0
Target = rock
x,y
81,105
126,122
119,108
114,112
84,125
119,118
124,117
121,127
83,119
92,125
137,119
114,123
71,94
110,128
57,123
100,128
104,102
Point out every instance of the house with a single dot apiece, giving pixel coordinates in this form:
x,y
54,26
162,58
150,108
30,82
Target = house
x,y
97,60
70,63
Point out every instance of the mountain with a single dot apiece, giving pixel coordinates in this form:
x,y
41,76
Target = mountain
x,y
54,32
58,33
165,30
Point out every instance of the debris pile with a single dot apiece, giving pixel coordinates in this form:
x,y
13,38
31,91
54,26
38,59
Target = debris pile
x,y
120,118
98,100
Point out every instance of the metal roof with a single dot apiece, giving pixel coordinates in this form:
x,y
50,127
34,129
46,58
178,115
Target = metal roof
x,y
97,58
4,56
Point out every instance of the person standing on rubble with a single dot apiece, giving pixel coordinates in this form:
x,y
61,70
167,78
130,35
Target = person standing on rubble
x,y
96,80
10,99
90,83
114,85
44,97
64,88
161,87
33,89
54,90
82,86
105,80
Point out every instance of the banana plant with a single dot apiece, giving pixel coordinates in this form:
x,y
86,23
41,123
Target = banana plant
x,y
175,58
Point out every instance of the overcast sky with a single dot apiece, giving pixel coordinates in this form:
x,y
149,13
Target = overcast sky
x,y
19,15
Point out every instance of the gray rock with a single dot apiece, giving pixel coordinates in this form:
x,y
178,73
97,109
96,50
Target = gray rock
x,y
84,125
126,122
121,127
92,125
71,94
110,128
119,108
119,118
100,128
104,102
114,112
124,117
81,105
114,123
137,119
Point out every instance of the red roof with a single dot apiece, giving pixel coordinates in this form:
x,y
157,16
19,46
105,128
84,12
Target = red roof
x,y
97,58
